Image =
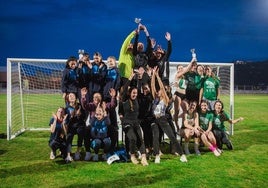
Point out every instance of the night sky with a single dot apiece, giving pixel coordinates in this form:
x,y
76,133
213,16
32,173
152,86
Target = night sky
x,y
220,31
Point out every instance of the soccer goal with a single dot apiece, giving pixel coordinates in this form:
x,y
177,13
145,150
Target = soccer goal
x,y
34,91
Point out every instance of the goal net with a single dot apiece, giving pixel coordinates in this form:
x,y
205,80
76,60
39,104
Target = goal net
x,y
34,91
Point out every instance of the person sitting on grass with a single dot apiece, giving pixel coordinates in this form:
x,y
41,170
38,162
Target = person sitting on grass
x,y
58,133
191,128
219,130
205,123
99,129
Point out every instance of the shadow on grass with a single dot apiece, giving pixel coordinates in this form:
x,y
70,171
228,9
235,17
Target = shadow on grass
x,y
37,168
3,136
129,180
2,152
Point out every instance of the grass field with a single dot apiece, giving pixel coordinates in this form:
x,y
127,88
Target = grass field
x,y
24,161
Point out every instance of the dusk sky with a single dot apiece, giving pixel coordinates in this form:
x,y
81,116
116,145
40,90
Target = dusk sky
x,y
220,31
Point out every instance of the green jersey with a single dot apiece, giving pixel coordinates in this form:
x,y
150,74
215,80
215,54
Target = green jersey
x,y
182,84
199,81
218,120
205,119
210,88
190,77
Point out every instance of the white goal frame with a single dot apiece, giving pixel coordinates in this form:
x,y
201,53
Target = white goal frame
x,y
24,127
10,133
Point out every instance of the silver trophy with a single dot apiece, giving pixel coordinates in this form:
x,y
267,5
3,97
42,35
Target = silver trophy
x,y
80,53
137,20
193,53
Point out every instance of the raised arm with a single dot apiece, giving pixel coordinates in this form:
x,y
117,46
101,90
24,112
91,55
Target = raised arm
x,y
162,88
153,89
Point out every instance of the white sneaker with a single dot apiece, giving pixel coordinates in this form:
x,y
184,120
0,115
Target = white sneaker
x,y
183,158
95,157
68,159
88,156
157,159
216,153
77,156
52,155
219,150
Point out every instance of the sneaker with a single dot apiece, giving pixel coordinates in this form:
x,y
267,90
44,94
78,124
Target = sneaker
x,y
219,150
104,157
88,156
68,159
216,153
229,145
157,159
144,161
77,156
95,158
183,159
134,160
52,155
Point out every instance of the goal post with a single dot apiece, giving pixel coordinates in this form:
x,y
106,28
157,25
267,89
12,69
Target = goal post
x,y
34,91
225,71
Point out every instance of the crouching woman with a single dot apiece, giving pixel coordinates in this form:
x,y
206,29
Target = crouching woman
x,y
58,133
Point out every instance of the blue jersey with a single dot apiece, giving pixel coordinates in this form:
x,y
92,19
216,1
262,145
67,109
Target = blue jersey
x,y
84,76
69,82
58,129
97,79
112,80
99,128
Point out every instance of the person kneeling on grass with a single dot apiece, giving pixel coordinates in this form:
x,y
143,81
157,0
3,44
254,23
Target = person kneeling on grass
x,y
99,128
219,130
58,134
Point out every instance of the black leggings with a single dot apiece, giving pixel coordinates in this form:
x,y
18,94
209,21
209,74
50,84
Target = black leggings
x,y
162,123
221,137
134,135
80,131
60,144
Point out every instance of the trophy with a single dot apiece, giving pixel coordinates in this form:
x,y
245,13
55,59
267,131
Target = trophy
x,y
80,53
137,20
193,53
